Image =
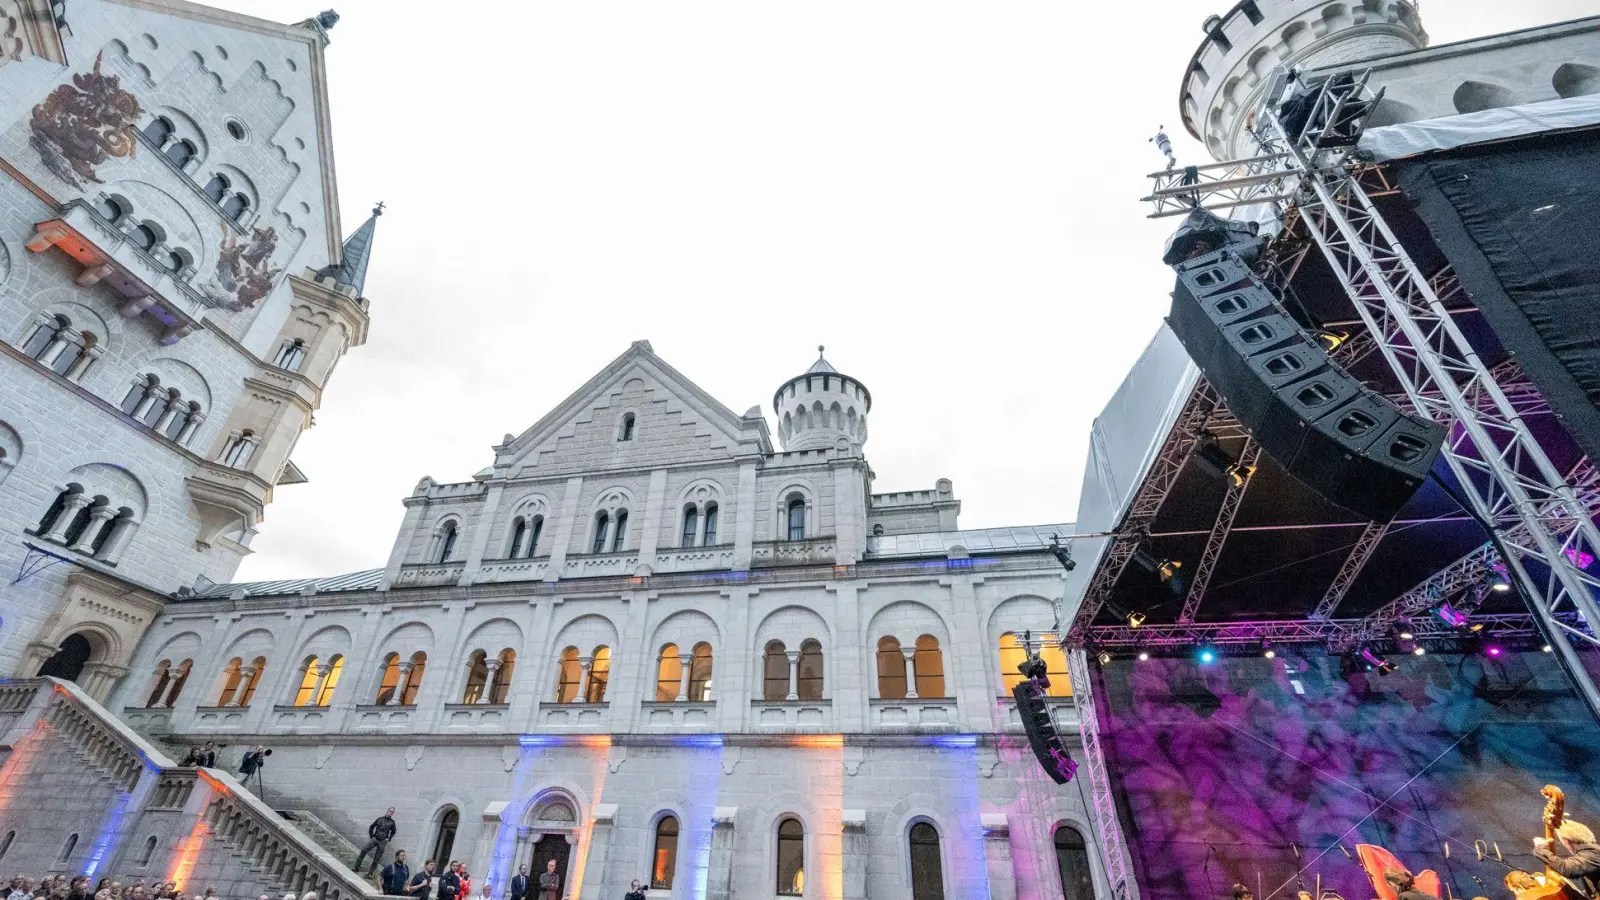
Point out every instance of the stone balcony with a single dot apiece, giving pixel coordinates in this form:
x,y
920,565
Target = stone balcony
x,y
225,497
919,716
595,565
513,570
674,716
301,719
148,720
111,258
799,716
693,559
812,551
581,718
430,574
220,718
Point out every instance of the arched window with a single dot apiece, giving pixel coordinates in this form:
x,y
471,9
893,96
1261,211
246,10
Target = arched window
x,y
291,355
182,414
599,675
791,858
158,407
231,676
810,678
445,842
239,449
159,687
568,682
56,508
180,152
929,665
390,682
664,861
500,686
533,536
217,188
774,672
144,237
325,696
44,336
80,522
1013,654
257,667
519,532
72,353
700,673
178,681
236,206
5,843
109,209
891,670
135,395
477,677
67,848
669,674
619,539
174,261
447,541
711,525
627,428
308,683
1072,862
691,525
413,682
797,517
601,522
149,851
159,129
927,871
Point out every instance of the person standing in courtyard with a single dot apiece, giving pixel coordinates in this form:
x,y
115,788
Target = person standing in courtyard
x,y
379,833
549,882
396,875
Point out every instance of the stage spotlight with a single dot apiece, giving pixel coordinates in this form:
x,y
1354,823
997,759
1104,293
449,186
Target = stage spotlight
x,y
1457,618
1375,662
1499,581
1166,570
1144,656
1493,651
1105,657
1547,649
1406,636
1419,650
1267,651
1134,619
1207,656
1330,340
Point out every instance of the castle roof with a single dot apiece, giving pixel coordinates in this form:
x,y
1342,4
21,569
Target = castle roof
x,y
351,270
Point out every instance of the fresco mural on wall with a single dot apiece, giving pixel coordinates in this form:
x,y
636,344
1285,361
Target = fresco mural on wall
x,y
244,272
83,124
1270,772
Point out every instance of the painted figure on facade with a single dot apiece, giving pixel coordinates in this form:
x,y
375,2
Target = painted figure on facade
x,y
82,124
244,272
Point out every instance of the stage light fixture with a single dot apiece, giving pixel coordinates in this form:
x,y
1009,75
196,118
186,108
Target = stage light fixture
x,y
1133,618
1419,650
1207,656
1267,651
1104,656
1144,656
1547,649
1493,650
1330,340
1375,662
1167,570
1499,581
1407,636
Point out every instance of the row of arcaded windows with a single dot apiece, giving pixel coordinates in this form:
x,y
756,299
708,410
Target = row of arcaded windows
x,y
682,675
182,151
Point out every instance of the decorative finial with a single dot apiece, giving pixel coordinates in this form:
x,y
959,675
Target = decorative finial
x,y
327,19
820,348
378,210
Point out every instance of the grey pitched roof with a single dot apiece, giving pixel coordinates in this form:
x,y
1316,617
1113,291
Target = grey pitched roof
x,y
365,580
351,270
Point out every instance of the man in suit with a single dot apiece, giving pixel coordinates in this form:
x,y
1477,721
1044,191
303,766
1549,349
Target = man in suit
x,y
519,884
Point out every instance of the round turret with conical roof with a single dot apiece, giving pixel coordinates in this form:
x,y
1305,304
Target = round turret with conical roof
x,y
819,407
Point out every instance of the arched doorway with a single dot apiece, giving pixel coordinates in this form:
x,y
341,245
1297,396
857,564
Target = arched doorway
x,y
445,842
552,831
1072,861
69,660
551,846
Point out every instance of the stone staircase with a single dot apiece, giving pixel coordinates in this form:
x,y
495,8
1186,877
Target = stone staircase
x,y
322,834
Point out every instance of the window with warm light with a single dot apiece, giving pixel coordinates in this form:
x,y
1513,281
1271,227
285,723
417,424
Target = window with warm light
x,y
664,862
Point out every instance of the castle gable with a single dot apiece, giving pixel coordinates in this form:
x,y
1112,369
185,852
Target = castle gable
x,y
636,413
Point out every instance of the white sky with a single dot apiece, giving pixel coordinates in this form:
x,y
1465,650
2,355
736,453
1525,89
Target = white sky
x,y
945,194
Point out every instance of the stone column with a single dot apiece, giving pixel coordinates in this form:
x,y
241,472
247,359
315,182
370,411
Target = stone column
x,y
794,674
490,667
719,880
97,520
853,822
58,529
322,676
403,671
82,365
685,660
488,523
910,653
585,663
121,533
190,427
997,856
166,419
245,674
416,507
650,535
150,394
847,679
57,346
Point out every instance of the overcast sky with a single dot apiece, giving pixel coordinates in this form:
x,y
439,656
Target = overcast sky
x,y
945,194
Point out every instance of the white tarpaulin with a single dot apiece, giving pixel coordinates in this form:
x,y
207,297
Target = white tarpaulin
x,y
1412,138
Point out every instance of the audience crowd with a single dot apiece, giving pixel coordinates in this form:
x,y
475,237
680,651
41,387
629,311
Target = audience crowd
x,y
63,887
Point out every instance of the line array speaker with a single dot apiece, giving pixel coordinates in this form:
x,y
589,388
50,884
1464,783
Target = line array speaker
x,y
1351,445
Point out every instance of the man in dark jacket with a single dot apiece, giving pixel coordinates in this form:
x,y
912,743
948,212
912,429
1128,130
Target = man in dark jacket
x,y
421,883
1581,865
396,875
450,882
549,882
519,884
1405,885
378,835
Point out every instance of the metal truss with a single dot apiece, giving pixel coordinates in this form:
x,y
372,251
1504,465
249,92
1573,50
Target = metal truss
x,y
1371,536
1147,502
1237,485
1245,182
1504,472
1107,825
1335,634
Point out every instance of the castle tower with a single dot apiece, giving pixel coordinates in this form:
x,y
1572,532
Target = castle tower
x,y
817,408
1226,78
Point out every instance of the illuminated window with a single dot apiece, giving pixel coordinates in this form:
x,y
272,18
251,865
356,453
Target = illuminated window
x,y
599,675
891,670
775,672
163,678
257,666
391,679
791,858
1012,654
665,859
308,683
325,697
669,674
477,677
571,677
408,694
810,681
700,673
929,665
231,677
500,688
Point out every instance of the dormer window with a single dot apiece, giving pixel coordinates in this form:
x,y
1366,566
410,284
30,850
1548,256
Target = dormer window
x,y
627,428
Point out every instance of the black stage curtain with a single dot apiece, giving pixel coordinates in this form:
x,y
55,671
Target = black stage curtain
x,y
1520,222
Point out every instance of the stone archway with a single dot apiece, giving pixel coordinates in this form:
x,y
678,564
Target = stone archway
x,y
70,658
550,833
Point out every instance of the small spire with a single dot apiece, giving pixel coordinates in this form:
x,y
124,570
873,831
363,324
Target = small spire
x,y
820,348
351,269
378,210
